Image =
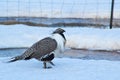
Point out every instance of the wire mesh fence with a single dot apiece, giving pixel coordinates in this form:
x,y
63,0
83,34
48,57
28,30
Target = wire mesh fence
x,y
59,12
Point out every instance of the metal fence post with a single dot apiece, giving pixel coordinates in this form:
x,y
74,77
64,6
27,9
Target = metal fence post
x,y
112,13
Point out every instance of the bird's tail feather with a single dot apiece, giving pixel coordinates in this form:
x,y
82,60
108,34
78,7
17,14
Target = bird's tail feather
x,y
15,59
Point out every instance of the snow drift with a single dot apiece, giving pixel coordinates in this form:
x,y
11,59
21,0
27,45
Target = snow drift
x,y
77,37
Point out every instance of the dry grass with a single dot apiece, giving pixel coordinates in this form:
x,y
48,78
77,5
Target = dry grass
x,y
25,23
51,25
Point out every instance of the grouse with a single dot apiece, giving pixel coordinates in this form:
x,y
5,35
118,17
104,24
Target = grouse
x,y
46,49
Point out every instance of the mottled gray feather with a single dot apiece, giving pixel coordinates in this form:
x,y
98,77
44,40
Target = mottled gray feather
x,y
39,49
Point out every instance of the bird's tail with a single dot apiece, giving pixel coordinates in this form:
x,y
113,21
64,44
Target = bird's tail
x,y
15,59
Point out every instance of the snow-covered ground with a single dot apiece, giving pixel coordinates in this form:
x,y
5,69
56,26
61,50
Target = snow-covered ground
x,y
77,37
64,69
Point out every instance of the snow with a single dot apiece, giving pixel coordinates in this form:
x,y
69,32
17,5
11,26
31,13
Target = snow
x,y
89,38
77,37
64,69
59,8
20,35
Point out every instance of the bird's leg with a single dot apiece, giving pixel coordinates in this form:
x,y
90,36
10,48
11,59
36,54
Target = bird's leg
x,y
52,63
44,63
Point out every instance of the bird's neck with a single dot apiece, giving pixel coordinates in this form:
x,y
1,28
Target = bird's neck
x,y
63,36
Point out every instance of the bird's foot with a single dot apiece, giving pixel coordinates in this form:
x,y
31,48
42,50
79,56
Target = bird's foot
x,y
52,63
47,67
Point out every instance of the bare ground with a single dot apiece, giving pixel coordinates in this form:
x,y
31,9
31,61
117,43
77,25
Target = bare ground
x,y
93,54
53,22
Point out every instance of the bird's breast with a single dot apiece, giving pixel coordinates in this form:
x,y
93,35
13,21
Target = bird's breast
x,y
60,44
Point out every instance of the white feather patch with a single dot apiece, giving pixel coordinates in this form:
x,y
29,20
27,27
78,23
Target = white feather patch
x,y
60,44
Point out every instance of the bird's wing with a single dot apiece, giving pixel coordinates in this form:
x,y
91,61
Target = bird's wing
x,y
40,48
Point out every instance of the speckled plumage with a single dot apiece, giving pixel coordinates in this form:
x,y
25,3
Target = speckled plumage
x,y
41,48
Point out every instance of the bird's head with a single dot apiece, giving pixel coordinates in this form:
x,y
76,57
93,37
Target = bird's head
x,y
59,31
